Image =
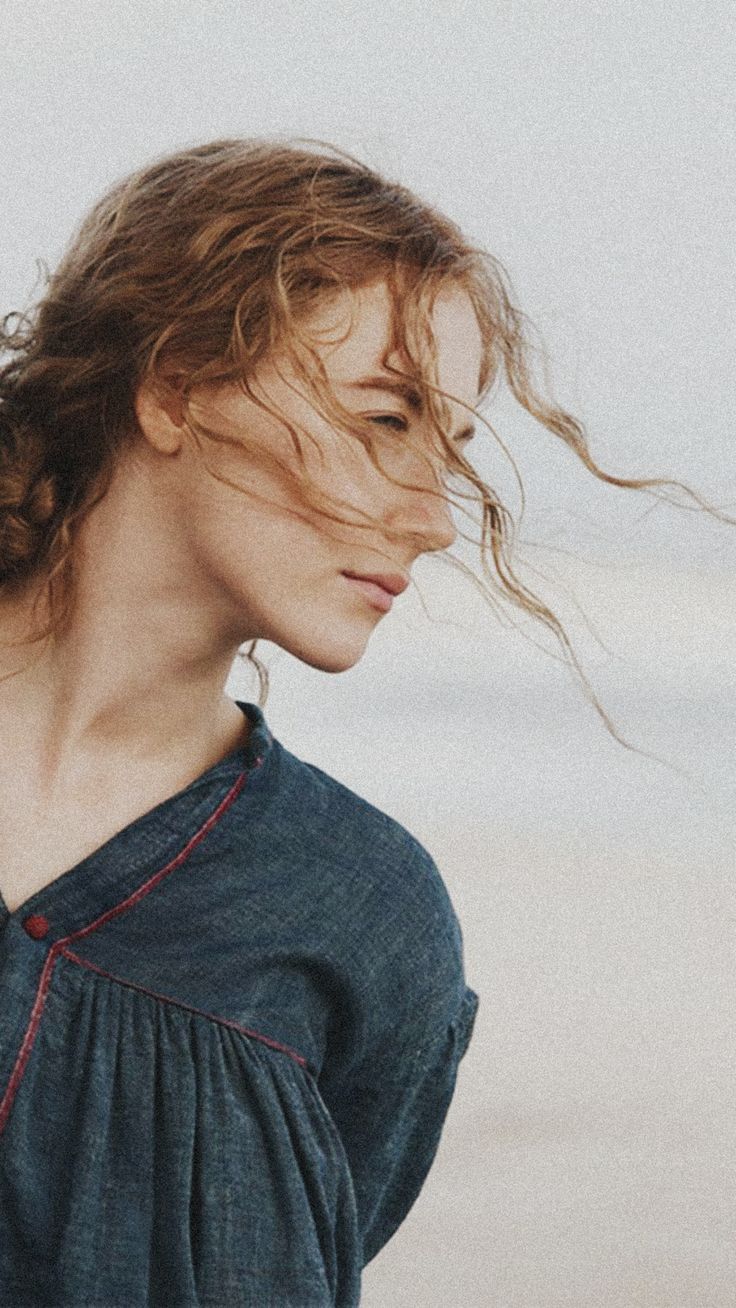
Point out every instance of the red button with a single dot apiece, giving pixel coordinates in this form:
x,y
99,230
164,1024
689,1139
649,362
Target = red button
x,y
36,926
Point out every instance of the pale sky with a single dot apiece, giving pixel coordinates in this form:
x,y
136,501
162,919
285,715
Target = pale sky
x,y
590,148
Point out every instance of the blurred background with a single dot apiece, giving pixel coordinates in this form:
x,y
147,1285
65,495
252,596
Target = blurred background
x,y
589,1157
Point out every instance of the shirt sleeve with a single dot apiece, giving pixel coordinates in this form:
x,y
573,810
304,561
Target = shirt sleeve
x,y
390,1105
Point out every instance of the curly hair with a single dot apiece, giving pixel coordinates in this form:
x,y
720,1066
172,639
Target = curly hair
x,y
195,268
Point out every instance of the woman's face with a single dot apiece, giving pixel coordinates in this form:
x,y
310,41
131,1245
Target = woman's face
x,y
276,568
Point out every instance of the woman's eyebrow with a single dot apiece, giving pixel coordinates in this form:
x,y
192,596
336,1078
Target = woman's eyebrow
x,y
405,389
407,392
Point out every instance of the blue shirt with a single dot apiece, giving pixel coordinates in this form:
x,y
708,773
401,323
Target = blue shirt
x,y
229,1039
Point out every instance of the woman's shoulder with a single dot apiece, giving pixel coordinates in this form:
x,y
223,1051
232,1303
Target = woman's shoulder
x,y
366,849
336,813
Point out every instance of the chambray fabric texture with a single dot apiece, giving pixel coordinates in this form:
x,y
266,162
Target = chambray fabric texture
x,y
229,1039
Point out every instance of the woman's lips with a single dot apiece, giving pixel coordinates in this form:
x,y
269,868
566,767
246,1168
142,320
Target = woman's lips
x,y
380,598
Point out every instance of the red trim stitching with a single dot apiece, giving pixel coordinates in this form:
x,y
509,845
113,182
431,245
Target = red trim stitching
x,y
152,881
24,1052
31,1032
179,1003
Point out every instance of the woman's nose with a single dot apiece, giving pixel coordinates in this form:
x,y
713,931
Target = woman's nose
x,y
420,511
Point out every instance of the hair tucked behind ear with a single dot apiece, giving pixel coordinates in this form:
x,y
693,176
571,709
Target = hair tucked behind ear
x,y
192,270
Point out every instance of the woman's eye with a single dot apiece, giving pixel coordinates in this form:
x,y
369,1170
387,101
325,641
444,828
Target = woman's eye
x,y
389,418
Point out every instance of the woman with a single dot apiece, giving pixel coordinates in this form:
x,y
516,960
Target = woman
x,y
234,1003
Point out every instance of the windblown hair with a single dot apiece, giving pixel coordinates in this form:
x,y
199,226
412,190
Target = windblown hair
x,y
196,268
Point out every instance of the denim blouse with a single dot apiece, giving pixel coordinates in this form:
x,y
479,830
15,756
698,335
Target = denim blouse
x,y
229,1039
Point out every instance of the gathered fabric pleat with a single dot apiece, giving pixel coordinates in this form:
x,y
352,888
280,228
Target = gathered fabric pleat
x,y
210,1155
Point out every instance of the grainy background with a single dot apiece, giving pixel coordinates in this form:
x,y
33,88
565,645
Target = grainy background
x,y
589,1156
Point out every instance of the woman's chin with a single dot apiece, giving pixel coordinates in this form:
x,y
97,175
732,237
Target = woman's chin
x,y
326,657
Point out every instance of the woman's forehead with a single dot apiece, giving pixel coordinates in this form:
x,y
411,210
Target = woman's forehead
x,y
353,332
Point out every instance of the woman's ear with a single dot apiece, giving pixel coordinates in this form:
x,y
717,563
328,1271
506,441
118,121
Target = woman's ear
x,y
159,411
